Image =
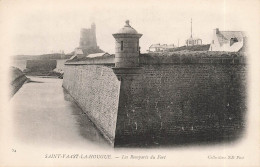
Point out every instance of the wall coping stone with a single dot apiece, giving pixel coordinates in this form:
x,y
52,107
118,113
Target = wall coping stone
x,y
180,57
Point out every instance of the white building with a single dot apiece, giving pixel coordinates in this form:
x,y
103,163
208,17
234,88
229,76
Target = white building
x,y
230,41
160,48
193,41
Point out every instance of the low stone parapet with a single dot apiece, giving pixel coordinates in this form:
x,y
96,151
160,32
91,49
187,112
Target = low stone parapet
x,y
17,79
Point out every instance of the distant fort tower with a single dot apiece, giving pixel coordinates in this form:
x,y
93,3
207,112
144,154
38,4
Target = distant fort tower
x,y
88,38
127,48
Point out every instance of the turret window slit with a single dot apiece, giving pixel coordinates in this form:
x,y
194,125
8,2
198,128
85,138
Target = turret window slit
x,y
122,45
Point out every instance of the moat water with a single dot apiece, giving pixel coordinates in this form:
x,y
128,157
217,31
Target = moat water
x,y
44,113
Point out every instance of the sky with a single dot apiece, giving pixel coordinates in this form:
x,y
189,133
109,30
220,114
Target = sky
x,y
40,27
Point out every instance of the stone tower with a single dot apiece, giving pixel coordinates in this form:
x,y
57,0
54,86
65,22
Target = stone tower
x,y
88,38
127,47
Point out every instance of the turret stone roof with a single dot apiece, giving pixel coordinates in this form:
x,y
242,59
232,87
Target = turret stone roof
x,y
127,29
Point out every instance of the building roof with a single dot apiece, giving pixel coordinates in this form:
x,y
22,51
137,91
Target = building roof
x,y
97,55
156,46
161,46
170,46
78,51
73,57
127,29
193,39
225,36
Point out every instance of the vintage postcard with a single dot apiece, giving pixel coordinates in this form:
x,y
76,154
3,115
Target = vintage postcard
x,y
130,83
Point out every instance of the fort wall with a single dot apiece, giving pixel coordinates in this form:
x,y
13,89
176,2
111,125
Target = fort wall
x,y
17,79
41,65
21,64
95,88
173,103
196,96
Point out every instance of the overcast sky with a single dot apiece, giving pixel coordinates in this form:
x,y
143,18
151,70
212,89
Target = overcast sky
x,y
51,26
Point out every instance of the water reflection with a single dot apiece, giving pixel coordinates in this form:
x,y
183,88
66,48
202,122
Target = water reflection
x,y
44,113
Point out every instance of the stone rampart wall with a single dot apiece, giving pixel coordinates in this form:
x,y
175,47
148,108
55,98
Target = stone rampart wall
x,y
172,99
41,65
182,102
17,79
96,90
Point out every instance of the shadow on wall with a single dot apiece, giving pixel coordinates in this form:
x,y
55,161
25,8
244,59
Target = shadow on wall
x,y
86,128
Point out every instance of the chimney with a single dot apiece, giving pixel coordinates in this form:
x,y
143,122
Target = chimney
x,y
232,41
